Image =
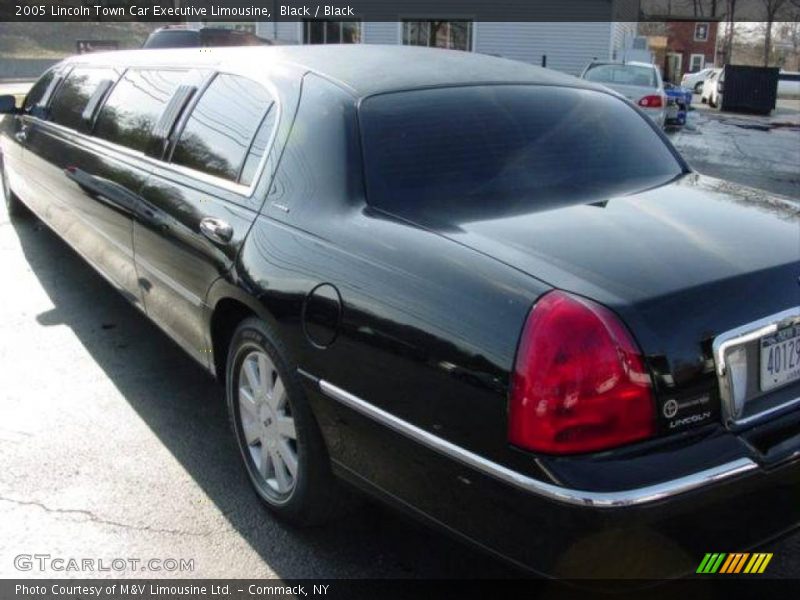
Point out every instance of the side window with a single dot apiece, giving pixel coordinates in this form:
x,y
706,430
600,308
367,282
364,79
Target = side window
x,y
135,105
258,147
38,91
219,132
74,94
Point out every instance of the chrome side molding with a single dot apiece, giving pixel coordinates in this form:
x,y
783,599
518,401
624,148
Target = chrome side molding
x,y
643,495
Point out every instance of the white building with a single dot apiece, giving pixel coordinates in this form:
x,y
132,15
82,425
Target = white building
x,y
565,46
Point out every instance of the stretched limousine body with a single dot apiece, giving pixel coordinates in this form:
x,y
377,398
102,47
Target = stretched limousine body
x,y
490,294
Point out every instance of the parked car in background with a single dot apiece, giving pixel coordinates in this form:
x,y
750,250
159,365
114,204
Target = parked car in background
x,y
678,101
788,84
492,295
641,83
712,88
695,81
182,37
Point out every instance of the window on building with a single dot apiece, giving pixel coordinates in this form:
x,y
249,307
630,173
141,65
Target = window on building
x,y
701,32
135,105
455,35
220,131
697,62
73,95
321,31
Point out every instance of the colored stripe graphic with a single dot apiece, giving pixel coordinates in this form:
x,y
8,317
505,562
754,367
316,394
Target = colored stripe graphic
x,y
727,564
711,562
740,564
703,563
735,562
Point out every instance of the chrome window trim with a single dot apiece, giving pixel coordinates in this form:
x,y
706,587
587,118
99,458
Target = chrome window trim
x,y
565,495
245,191
737,337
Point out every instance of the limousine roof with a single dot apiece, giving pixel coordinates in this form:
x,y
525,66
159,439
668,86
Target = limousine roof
x,y
364,69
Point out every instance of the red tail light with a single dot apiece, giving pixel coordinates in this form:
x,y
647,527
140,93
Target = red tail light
x,y
579,383
652,102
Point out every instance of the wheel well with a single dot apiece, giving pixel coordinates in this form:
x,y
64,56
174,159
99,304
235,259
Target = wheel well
x,y
228,313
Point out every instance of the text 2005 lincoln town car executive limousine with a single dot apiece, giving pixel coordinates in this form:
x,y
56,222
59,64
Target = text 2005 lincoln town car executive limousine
x,y
493,295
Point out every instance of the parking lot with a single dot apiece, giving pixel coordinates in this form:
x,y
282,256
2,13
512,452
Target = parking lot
x,y
754,150
115,444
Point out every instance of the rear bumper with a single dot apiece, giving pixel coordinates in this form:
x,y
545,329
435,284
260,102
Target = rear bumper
x,y
657,115
654,531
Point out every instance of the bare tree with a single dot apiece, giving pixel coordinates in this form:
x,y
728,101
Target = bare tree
x,y
771,7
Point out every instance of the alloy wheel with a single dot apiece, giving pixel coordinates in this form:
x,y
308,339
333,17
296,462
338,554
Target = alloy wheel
x,y
267,424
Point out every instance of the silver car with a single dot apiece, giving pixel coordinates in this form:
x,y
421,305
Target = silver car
x,y
641,83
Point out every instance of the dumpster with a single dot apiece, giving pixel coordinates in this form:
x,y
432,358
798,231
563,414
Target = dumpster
x,y
749,89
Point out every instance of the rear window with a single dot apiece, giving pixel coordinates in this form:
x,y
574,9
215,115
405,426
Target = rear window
x,y
73,95
173,39
502,149
622,75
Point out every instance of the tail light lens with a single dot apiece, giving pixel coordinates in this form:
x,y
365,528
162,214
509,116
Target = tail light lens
x,y
579,382
654,101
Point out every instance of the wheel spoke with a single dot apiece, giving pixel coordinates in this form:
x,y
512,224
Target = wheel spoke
x,y
263,466
252,432
248,404
286,427
277,396
281,476
264,373
288,457
251,374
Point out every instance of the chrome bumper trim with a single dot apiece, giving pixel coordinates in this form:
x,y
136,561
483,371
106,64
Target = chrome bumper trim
x,y
643,495
733,399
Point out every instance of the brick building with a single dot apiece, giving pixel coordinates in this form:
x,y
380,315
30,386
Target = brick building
x,y
691,46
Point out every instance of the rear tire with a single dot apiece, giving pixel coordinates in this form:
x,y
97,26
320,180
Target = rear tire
x,y
14,206
279,440
698,88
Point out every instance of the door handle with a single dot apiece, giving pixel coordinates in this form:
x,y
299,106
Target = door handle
x,y
216,230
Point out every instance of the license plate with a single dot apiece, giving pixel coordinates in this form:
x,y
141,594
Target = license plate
x,y
780,358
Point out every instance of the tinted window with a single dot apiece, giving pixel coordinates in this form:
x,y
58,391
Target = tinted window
x,y
75,92
37,92
258,148
135,105
173,39
506,148
217,135
622,74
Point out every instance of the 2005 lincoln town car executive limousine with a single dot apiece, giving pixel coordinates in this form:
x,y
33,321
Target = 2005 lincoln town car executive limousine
x,y
490,294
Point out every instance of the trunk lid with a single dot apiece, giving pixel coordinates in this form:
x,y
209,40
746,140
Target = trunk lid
x,y
680,264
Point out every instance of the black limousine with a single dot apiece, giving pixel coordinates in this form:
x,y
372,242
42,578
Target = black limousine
x,y
490,294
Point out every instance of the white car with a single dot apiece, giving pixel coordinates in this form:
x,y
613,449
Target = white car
x,y
641,83
695,81
712,89
789,84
